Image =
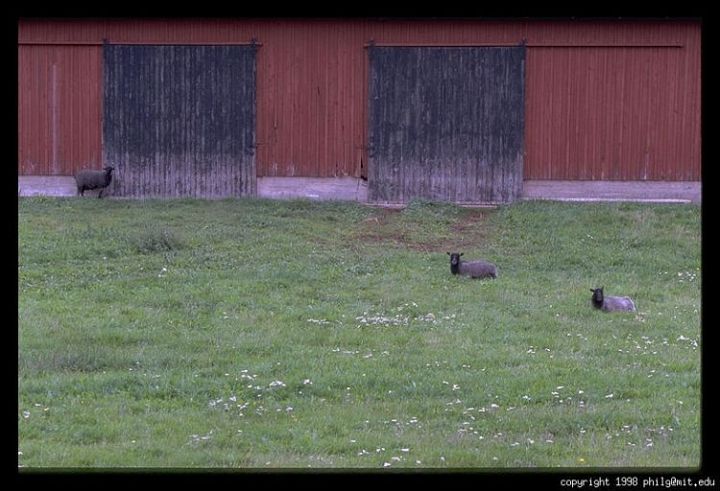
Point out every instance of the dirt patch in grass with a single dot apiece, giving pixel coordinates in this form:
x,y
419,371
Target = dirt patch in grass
x,y
382,227
376,226
392,227
469,232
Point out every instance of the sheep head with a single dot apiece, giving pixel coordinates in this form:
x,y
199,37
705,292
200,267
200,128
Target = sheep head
x,y
455,258
454,262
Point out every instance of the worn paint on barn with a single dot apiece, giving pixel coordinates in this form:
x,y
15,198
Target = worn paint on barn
x,y
446,124
180,120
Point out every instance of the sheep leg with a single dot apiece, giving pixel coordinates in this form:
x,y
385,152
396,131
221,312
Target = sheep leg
x,y
100,193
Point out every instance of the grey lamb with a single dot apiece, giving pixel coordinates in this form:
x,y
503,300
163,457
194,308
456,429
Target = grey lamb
x,y
473,269
93,179
611,304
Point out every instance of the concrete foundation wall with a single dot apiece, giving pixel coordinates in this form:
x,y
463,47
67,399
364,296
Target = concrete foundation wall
x,y
652,191
353,189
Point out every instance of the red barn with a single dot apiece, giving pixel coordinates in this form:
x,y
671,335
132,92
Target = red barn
x,y
462,110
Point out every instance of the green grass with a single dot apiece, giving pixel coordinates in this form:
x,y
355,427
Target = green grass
x,y
252,333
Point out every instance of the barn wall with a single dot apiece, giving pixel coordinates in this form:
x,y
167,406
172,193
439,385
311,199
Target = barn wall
x,y
311,82
604,99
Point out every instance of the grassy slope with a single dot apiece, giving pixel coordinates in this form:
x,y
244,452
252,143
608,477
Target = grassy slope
x,y
283,334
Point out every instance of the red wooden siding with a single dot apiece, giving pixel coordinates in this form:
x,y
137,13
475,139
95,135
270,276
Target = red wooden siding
x,y
604,99
613,113
311,100
59,109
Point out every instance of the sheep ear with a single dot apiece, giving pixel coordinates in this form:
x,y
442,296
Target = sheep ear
x,y
462,253
448,253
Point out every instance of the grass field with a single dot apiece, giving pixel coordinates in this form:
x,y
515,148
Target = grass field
x,y
261,334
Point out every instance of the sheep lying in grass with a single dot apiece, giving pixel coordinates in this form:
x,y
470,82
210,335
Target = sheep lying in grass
x,y
473,269
93,179
611,304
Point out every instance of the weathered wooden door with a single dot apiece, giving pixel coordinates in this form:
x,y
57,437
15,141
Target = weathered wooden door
x,y
446,124
180,120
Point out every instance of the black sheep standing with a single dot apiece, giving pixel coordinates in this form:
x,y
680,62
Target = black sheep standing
x,y
93,179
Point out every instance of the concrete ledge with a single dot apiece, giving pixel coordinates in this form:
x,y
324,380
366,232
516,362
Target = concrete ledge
x,y
341,188
354,189
321,188
47,186
640,191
